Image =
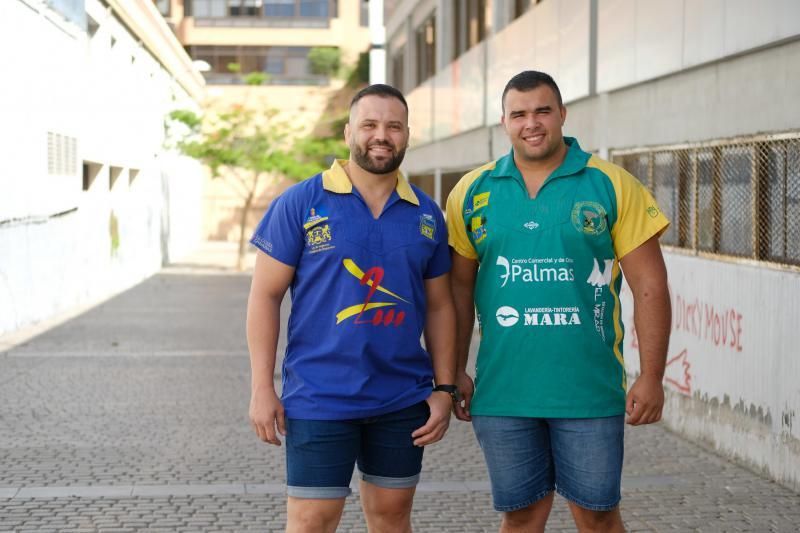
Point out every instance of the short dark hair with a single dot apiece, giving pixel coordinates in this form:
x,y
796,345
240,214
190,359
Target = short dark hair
x,y
379,89
528,80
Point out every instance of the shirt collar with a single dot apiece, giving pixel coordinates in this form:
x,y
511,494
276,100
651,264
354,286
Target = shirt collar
x,y
574,162
335,179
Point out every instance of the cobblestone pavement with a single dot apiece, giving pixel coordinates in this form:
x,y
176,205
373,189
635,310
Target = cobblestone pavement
x,y
133,416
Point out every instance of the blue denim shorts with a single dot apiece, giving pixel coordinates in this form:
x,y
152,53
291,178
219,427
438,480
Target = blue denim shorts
x,y
321,454
528,458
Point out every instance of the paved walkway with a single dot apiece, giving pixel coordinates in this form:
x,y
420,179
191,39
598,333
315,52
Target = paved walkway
x,y
133,416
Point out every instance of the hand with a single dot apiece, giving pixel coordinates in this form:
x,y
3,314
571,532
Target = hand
x,y
466,388
266,413
441,405
645,400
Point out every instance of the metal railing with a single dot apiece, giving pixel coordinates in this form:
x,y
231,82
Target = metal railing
x,y
734,197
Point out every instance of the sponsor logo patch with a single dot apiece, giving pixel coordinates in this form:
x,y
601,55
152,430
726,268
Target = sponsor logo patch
x,y
507,316
480,201
478,228
599,279
535,269
539,316
530,225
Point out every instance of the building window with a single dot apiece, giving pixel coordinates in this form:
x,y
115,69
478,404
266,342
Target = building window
x,y
260,8
62,154
426,49
90,173
469,24
737,199
736,230
779,184
72,10
520,8
398,68
285,65
425,183
163,6
363,15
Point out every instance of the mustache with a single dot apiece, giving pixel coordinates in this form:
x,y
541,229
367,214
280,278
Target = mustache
x,y
381,143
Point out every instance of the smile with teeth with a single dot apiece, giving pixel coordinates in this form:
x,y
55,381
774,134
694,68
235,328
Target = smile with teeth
x,y
380,149
534,139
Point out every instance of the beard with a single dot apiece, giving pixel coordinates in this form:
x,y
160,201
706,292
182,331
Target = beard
x,y
363,159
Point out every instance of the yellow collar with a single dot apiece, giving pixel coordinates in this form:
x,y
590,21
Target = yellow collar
x,y
335,179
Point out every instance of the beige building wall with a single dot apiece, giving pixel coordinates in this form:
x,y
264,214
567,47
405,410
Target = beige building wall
x,y
303,106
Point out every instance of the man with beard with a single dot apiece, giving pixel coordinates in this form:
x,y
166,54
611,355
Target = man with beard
x,y
550,226
366,257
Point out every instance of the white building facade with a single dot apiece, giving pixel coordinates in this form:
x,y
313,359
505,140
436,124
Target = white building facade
x,y
700,101
91,198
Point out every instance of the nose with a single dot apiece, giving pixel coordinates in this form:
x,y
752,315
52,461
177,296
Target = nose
x,y
530,121
380,132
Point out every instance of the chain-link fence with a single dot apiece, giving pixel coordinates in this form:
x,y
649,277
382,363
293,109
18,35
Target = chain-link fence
x,y
738,197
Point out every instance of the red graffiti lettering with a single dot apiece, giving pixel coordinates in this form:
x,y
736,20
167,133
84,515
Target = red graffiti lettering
x,y
706,322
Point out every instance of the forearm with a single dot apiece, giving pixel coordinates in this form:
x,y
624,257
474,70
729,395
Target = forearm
x,y
440,328
652,317
263,327
465,321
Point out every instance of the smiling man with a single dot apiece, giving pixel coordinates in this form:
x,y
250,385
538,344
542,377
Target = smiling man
x,y
365,255
550,226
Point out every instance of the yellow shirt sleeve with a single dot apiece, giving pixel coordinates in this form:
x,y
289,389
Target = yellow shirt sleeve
x,y
638,215
458,238
456,225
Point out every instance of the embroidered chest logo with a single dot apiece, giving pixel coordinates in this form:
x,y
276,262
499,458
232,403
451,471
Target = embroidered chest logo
x,y
531,225
318,234
371,312
427,226
589,218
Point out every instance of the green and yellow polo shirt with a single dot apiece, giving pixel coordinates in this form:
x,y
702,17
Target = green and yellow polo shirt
x,y
547,288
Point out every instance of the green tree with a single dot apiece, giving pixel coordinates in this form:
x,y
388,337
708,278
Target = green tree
x,y
325,60
240,145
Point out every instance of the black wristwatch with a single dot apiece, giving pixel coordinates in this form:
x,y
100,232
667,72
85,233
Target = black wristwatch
x,y
452,390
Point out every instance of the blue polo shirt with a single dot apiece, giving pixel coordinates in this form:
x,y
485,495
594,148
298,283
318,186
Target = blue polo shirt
x,y
358,295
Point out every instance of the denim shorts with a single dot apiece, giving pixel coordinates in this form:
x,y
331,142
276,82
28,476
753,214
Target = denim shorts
x,y
528,458
320,454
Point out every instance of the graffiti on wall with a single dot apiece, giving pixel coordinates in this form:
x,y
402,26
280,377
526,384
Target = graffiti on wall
x,y
717,326
678,372
720,326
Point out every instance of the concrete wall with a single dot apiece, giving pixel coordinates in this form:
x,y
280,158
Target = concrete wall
x,y
718,78
732,364
76,99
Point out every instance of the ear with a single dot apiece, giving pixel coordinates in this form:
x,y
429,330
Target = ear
x,y
347,133
563,115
